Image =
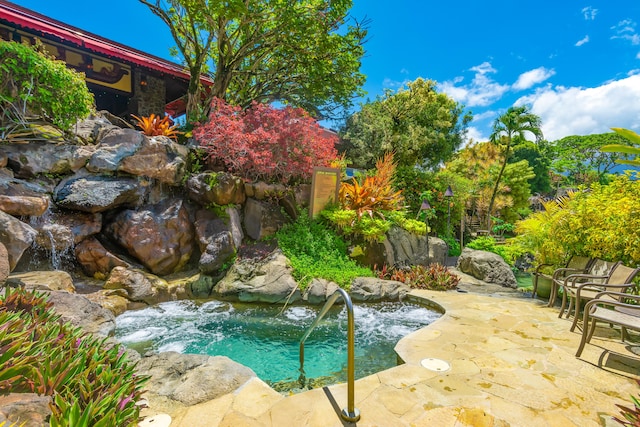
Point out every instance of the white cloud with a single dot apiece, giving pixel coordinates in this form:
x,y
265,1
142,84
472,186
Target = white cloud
x,y
475,135
532,77
626,30
582,41
489,114
481,91
568,111
589,13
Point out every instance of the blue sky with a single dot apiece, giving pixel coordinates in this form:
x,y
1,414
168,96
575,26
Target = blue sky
x,y
575,63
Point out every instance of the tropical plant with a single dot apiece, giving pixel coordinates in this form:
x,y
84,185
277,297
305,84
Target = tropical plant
x,y
316,251
479,164
263,142
423,127
34,84
600,223
515,123
267,51
631,136
155,126
510,251
92,383
631,415
433,277
375,193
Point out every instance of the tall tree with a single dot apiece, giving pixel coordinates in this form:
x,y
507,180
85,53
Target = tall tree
x,y
515,123
423,127
305,53
580,159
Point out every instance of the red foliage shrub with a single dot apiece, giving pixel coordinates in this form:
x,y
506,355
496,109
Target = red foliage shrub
x,y
262,142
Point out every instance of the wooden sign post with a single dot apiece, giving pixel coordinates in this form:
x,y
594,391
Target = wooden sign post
x,y
325,185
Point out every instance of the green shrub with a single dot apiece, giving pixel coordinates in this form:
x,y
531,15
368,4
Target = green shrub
x,y
601,223
92,384
45,86
434,277
316,251
453,245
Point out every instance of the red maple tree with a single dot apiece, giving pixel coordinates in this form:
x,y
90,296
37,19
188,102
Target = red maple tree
x,y
263,142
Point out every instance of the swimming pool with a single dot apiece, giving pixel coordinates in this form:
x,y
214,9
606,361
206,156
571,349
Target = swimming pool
x,y
266,337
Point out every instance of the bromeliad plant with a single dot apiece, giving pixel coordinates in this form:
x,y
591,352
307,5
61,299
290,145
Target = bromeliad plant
x,y
92,383
374,194
156,126
369,206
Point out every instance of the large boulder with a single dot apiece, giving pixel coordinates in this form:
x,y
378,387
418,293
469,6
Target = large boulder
x,y
113,149
160,236
262,219
24,205
192,378
16,236
94,258
39,158
319,290
266,280
95,127
140,286
215,239
10,186
401,248
55,280
486,266
24,409
158,158
81,312
98,193
218,188
59,231
373,289
137,286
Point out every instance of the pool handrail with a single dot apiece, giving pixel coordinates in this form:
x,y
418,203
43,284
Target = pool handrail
x,y
350,413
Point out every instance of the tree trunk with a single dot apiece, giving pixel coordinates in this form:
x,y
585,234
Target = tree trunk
x,y
495,188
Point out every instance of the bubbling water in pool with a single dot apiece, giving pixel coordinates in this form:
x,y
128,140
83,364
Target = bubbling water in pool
x,y
266,338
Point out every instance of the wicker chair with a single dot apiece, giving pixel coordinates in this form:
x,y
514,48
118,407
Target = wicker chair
x,y
619,280
613,308
576,264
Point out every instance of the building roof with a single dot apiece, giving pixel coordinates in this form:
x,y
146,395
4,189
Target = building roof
x,y
30,20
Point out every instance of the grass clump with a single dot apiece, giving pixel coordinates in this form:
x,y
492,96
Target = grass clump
x,y
316,251
91,383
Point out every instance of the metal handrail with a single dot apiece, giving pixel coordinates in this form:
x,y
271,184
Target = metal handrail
x,y
350,413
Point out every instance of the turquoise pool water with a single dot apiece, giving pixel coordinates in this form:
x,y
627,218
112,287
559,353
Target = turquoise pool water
x,y
267,338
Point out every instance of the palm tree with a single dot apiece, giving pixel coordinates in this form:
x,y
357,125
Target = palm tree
x,y
514,123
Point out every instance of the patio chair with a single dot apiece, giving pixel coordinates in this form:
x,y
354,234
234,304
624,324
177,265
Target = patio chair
x,y
598,272
576,264
619,280
613,308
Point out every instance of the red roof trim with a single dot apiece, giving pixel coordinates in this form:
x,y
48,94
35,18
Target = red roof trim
x,y
29,19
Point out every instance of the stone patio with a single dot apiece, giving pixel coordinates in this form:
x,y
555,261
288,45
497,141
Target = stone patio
x,y
511,363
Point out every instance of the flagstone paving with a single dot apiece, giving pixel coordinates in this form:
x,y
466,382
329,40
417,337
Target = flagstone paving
x,y
511,363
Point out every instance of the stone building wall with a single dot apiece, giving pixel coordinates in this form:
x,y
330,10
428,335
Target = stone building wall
x,y
149,94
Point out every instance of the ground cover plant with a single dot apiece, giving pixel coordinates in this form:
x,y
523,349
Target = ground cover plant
x,y
316,251
433,277
91,383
